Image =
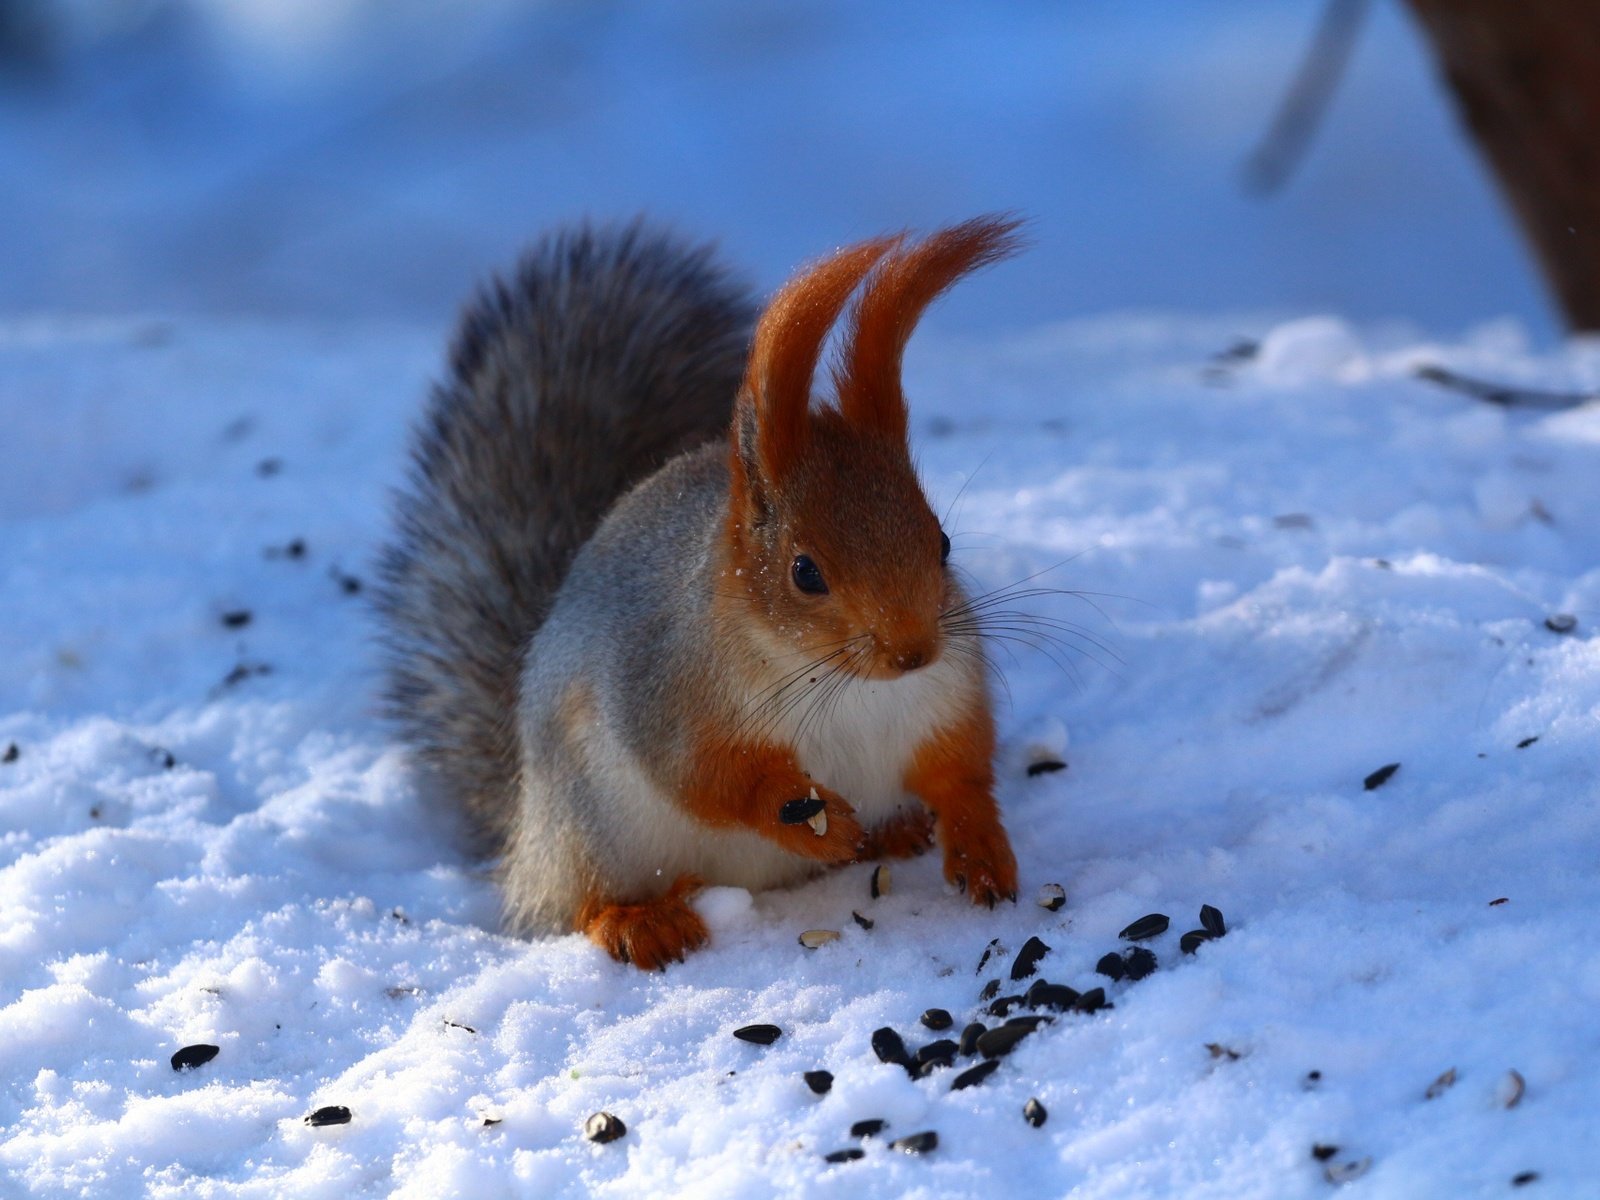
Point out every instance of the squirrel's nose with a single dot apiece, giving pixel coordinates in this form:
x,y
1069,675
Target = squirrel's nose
x,y
910,660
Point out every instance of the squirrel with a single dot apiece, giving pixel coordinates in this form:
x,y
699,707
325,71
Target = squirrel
x,y
656,620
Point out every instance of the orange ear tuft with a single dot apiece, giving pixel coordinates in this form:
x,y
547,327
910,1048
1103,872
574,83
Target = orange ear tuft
x,y
788,341
868,373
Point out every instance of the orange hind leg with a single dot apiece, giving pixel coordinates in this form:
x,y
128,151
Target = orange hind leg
x,y
650,934
905,835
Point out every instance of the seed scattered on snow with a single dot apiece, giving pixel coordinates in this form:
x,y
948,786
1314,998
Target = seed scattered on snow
x,y
1034,1113
998,1043
864,922
1111,966
812,938
761,1035
1003,1005
993,948
12,753
604,1127
237,619
937,1018
1440,1085
1218,1050
1380,777
968,1045
1501,900
1055,996
490,1121
974,1075
1092,1001
329,1114
870,1127
1527,741
880,881
1512,1086
1561,622
1052,896
799,812
193,1056
916,1143
1211,921
1524,1178
1045,766
1027,960
1347,1172
1140,962
990,990
820,1082
1312,1080
1146,927
889,1047
1191,941
849,1154
941,1053
1323,1153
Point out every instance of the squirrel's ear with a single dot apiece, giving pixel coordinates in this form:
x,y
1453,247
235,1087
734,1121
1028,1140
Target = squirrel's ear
x,y
776,395
867,375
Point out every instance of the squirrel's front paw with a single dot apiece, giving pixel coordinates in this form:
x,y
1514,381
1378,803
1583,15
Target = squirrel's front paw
x,y
820,825
979,862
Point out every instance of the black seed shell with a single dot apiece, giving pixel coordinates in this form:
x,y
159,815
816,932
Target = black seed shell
x,y
329,1114
1003,1005
194,1056
941,1051
870,1127
989,990
1323,1153
937,1018
974,1075
970,1036
820,1082
864,922
849,1154
1191,941
1140,962
997,1043
1091,1001
1211,921
1380,777
798,812
916,1143
890,1047
604,1127
1045,766
1146,927
1034,1113
1027,960
1111,966
760,1035
1057,997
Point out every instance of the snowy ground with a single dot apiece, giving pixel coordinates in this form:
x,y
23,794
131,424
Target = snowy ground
x,y
1305,564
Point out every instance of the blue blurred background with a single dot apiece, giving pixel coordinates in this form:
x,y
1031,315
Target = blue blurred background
x,y
372,158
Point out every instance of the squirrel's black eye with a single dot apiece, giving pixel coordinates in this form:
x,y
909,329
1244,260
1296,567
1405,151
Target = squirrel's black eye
x,y
806,576
944,546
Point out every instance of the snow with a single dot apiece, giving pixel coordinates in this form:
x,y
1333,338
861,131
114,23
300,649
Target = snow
x,y
1297,568
1285,561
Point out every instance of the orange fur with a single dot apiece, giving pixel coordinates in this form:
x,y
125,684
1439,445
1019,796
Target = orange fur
x,y
904,284
905,835
788,341
953,773
650,934
745,783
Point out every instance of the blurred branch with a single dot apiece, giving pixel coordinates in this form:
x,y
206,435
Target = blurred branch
x,y
1526,82
1306,103
1504,394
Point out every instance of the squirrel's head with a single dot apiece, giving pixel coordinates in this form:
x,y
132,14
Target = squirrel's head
x,y
833,543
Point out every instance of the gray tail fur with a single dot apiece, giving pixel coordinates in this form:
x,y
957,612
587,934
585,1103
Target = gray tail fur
x,y
609,352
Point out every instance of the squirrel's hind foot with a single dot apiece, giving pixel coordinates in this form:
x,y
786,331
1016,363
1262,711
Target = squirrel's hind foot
x,y
648,935
905,835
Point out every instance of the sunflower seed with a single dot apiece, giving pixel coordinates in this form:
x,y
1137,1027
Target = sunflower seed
x,y
1561,622
1091,1001
916,1143
880,881
1512,1086
603,1127
1323,1153
1218,1050
1211,921
994,947
864,922
193,1056
1499,901
12,753
1027,960
1440,1085
1057,997
799,812
974,1075
871,1127
1111,966
1380,777
812,938
1052,896
997,1043
969,1038
937,1018
1346,1172
761,1035
1145,928
990,990
849,1154
1191,941
1031,1021
329,1114
1003,1005
820,1082
935,1054
889,1047
1034,1113
1523,1178
1140,962
1045,766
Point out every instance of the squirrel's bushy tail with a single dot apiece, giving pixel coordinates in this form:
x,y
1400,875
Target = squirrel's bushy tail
x,y
609,352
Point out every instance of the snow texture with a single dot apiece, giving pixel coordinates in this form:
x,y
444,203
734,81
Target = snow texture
x,y
1296,566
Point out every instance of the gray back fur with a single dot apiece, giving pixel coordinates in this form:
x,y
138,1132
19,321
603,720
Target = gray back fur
x,y
609,352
